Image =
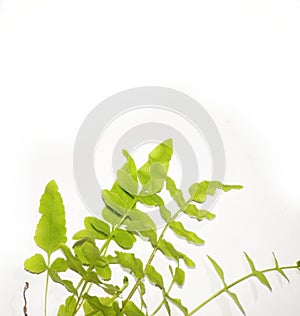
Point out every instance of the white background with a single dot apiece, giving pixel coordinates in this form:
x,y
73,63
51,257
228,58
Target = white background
x,y
239,59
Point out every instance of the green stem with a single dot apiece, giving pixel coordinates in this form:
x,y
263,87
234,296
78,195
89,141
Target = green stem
x,y
225,288
82,289
79,298
102,249
163,300
77,289
46,287
79,285
82,300
116,295
138,281
105,245
111,235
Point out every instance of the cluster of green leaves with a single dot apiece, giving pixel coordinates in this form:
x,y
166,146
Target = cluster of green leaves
x,y
91,261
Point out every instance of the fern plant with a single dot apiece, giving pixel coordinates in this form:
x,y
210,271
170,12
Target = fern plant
x,y
90,257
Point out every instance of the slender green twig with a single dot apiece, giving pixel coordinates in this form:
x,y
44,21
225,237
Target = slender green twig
x,y
80,297
102,249
82,300
46,287
224,289
111,235
107,241
156,310
78,287
138,281
117,294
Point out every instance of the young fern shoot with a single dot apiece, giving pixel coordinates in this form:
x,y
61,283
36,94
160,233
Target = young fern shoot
x,y
124,223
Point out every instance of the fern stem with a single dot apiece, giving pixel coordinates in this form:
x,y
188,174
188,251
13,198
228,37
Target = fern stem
x,y
46,287
138,281
116,295
111,235
82,301
102,249
163,300
224,289
77,306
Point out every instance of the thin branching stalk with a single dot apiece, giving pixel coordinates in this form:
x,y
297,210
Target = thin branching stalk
x,y
46,287
224,289
102,250
82,300
79,300
116,295
156,310
152,255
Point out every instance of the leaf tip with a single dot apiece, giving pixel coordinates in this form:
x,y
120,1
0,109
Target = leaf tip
x,y
125,153
169,142
51,186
